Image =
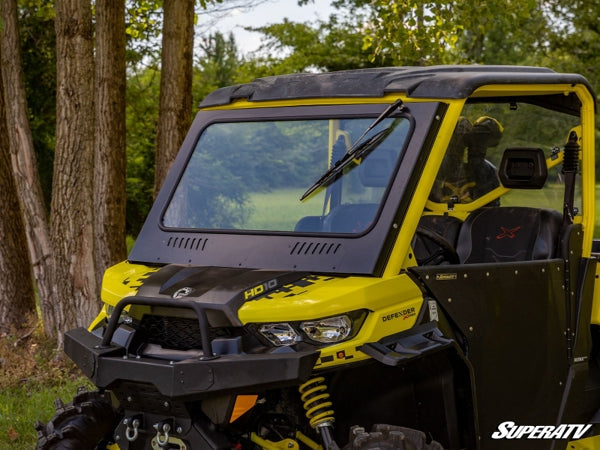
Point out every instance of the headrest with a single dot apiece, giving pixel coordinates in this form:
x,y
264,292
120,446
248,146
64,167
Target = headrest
x,y
376,168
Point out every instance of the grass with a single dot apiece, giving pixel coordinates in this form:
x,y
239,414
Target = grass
x,y
32,375
280,209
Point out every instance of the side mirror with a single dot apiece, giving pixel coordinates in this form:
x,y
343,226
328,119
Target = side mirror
x,y
523,168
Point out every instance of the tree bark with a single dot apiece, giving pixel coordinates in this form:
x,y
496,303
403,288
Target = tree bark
x,y
175,106
17,297
24,165
110,157
72,191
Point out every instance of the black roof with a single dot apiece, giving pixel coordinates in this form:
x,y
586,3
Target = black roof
x,y
444,82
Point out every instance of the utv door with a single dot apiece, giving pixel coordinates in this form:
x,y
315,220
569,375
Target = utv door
x,y
519,298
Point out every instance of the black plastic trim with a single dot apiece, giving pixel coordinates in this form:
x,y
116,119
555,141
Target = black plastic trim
x,y
397,349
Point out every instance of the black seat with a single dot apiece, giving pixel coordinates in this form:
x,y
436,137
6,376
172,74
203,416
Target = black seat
x,y
350,218
503,234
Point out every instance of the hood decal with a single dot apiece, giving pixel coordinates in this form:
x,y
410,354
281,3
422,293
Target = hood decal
x,y
216,288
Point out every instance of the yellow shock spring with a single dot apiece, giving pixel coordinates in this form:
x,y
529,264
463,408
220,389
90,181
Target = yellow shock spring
x,y
316,402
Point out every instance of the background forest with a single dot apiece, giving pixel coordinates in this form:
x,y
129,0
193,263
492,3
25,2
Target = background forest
x,y
96,96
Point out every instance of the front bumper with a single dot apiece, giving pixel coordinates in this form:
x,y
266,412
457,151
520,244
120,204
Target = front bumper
x,y
107,365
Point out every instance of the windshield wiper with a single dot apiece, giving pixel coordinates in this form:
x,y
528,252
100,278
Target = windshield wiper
x,y
359,149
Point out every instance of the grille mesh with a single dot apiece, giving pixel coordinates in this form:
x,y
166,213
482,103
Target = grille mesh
x,y
177,333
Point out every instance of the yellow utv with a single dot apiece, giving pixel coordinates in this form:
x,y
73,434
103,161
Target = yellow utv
x,y
393,258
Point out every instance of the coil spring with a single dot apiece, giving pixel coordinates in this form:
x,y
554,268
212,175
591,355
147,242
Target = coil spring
x,y
316,402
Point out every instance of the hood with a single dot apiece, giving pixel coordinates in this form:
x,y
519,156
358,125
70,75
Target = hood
x,y
216,288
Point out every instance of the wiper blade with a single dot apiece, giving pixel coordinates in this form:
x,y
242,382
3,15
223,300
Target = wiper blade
x,y
359,148
358,152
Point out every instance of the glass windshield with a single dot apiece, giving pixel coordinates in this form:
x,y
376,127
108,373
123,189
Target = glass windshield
x,y
251,175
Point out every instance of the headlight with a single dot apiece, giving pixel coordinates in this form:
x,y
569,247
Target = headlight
x,y
124,318
319,332
329,330
280,334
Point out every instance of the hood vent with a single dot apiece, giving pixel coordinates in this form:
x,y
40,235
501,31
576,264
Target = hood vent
x,y
187,243
315,248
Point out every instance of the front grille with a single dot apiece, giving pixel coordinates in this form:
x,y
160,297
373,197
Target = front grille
x,y
177,333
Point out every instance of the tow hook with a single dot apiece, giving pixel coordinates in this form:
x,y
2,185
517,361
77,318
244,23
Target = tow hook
x,y
131,427
162,432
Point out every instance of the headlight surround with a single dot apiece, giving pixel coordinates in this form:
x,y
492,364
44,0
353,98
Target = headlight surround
x,y
330,330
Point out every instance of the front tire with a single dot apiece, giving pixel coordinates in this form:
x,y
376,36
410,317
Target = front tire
x,y
86,423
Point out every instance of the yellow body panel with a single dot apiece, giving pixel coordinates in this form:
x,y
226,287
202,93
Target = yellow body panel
x,y
123,280
328,296
394,304
120,281
591,443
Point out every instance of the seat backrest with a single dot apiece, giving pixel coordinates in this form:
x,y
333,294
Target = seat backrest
x,y
503,234
350,218
428,250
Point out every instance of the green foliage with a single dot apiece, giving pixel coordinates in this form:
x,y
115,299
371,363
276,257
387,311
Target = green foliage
x,y
380,32
143,25
441,31
336,44
503,33
38,54
217,65
142,116
576,42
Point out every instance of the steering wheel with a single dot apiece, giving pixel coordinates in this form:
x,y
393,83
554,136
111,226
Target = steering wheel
x,y
444,252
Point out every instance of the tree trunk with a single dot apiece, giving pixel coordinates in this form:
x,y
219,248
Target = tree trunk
x,y
17,298
72,191
175,109
110,157
25,167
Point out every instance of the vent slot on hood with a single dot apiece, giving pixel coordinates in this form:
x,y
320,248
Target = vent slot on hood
x,y
315,248
187,243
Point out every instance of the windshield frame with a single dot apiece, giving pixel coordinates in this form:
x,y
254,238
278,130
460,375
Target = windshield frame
x,y
334,253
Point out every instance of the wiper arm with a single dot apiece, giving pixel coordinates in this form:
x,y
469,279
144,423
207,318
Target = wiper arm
x,y
359,148
358,152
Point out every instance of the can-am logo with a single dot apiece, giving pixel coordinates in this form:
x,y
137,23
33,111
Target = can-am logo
x,y
183,292
509,430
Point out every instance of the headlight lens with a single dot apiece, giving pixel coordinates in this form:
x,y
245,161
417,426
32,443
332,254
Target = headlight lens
x,y
280,334
329,330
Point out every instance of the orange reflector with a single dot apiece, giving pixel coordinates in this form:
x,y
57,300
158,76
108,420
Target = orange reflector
x,y
243,404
